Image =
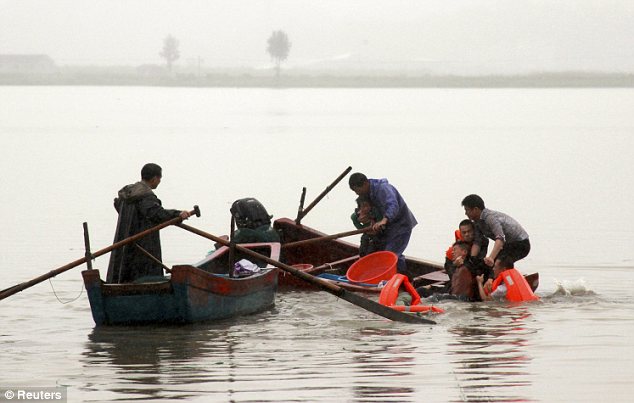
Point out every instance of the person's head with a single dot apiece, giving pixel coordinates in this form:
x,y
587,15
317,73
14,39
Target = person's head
x,y
151,174
364,204
501,265
473,206
467,230
460,249
359,184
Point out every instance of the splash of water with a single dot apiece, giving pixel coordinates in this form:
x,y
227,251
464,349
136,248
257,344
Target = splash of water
x,y
572,288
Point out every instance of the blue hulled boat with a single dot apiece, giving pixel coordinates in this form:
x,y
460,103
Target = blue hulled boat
x,y
192,293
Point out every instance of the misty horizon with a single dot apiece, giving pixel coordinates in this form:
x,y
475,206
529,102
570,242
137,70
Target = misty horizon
x,y
463,38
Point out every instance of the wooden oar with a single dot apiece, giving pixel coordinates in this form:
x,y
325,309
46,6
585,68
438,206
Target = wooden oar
x,y
342,293
327,237
302,214
328,267
152,257
22,286
300,209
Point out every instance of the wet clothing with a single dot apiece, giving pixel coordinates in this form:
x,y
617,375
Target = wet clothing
x,y
139,209
370,243
512,286
475,263
401,221
515,251
462,283
499,294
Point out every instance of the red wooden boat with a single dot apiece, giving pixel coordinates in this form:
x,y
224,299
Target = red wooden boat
x,y
331,258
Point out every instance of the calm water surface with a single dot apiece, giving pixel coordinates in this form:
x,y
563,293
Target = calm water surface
x,y
560,161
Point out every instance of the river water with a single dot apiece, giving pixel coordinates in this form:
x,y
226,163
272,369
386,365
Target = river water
x,y
558,160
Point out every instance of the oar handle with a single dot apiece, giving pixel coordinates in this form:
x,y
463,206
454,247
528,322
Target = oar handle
x,y
136,237
327,237
87,247
300,209
302,214
22,286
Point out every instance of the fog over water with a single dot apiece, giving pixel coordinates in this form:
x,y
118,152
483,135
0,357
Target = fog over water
x,y
557,160
458,37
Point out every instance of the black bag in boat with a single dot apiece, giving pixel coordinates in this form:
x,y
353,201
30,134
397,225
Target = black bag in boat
x,y
250,213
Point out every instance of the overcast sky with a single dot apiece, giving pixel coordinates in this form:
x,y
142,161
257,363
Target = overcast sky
x,y
443,36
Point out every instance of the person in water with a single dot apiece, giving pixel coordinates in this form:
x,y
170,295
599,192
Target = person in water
x,y
397,222
462,279
509,285
139,209
462,285
467,232
364,216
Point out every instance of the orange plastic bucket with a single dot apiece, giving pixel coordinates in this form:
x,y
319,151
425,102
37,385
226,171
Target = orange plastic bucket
x,y
373,268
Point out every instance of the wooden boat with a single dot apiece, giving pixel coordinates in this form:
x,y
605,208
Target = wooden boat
x,y
333,256
201,292
330,259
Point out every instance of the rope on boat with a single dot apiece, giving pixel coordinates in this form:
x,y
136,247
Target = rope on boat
x,y
68,300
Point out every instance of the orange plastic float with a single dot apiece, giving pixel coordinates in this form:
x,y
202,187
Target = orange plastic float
x,y
389,295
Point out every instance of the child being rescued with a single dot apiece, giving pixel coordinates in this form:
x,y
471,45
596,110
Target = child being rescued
x,y
364,216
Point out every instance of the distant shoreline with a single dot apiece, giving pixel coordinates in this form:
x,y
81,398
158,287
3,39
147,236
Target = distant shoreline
x,y
544,80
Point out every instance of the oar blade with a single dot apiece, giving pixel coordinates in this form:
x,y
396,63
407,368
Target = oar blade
x,y
383,310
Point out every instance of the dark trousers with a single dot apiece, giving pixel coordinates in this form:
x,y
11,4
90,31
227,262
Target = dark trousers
x,y
515,251
397,244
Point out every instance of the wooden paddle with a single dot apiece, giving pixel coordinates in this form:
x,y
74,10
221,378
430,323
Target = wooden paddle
x,y
342,293
301,214
152,257
22,286
327,237
329,267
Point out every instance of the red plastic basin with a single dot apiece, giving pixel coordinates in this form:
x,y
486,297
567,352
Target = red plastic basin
x,y
373,268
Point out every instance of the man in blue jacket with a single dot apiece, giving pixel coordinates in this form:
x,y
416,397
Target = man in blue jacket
x,y
397,222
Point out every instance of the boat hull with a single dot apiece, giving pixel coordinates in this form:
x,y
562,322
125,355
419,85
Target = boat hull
x,y
190,295
324,252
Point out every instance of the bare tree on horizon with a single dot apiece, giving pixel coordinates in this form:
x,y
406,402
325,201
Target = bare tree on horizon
x,y
170,51
278,47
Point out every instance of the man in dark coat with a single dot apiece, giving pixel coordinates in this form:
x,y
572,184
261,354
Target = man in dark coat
x,y
139,209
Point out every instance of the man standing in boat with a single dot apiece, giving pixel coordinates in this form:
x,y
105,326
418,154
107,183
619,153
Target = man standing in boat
x,y
511,240
397,222
139,209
